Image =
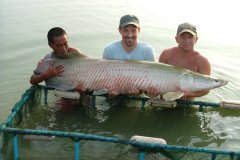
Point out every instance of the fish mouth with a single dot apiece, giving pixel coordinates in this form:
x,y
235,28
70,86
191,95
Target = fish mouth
x,y
223,82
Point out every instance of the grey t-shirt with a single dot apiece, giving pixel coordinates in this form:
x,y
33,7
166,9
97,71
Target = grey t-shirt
x,y
42,67
142,52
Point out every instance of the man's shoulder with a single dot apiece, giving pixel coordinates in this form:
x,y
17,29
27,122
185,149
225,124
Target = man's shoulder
x,y
170,50
145,48
200,58
70,49
49,55
110,50
167,54
113,44
144,44
203,64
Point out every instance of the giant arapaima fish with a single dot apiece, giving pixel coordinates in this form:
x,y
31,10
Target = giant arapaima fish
x,y
122,77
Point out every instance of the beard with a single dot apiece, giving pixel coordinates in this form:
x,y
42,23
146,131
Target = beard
x,y
130,41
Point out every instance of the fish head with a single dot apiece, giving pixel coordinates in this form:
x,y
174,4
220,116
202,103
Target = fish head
x,y
193,82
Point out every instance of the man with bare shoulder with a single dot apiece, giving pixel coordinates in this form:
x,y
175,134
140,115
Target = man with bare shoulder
x,y
185,56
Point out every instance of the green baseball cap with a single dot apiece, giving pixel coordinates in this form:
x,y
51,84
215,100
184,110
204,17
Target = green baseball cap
x,y
129,19
186,27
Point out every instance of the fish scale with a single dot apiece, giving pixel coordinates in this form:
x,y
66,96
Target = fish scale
x,y
123,76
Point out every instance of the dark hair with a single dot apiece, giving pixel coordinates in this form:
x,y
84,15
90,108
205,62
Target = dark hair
x,y
55,32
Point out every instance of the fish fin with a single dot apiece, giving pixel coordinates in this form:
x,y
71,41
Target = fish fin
x,y
171,96
100,92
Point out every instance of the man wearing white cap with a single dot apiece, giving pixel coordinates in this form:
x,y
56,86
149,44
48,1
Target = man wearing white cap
x,y
185,56
129,48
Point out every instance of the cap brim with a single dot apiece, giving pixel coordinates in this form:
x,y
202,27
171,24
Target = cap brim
x,y
130,23
188,31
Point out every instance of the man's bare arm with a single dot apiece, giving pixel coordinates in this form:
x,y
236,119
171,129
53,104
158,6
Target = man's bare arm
x,y
51,72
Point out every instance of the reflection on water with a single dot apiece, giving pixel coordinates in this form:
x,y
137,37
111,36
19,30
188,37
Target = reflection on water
x,y
224,128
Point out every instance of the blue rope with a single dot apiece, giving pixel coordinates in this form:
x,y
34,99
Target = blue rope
x,y
80,136
142,145
141,156
15,147
77,150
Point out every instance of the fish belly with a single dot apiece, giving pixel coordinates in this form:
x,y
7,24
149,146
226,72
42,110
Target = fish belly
x,y
120,77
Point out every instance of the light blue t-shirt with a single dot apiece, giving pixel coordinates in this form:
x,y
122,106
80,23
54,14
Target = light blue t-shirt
x,y
142,52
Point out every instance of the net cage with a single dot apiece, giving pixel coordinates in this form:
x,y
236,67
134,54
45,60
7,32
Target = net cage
x,y
30,133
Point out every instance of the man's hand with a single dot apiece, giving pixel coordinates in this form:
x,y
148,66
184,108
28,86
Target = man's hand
x,y
53,71
152,92
80,89
191,95
73,49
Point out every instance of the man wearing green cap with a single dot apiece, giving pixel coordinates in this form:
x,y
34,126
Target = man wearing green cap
x,y
129,48
185,56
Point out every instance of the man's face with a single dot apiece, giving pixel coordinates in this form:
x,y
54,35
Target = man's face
x,y
60,44
129,34
186,41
